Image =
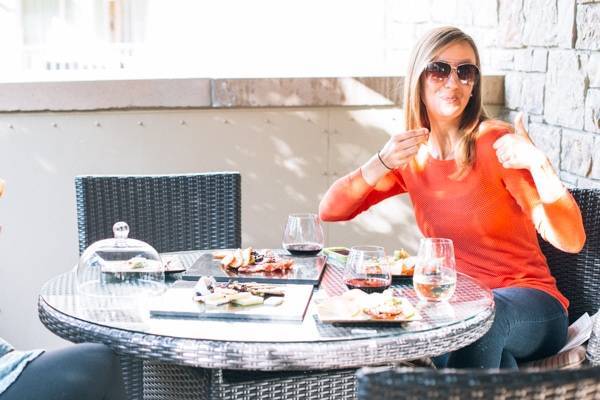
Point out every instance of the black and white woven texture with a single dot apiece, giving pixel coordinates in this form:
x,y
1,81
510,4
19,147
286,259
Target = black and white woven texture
x,y
170,212
484,384
578,275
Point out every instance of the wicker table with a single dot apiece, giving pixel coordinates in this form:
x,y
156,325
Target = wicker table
x,y
197,359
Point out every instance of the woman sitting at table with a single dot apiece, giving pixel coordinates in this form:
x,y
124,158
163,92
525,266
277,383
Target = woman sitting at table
x,y
83,371
483,185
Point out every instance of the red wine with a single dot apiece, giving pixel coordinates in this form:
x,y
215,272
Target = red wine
x,y
369,285
304,249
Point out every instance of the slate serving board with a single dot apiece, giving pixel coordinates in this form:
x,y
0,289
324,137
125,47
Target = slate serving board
x,y
178,302
305,271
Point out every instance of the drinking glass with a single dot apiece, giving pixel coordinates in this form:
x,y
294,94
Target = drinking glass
x,y
303,235
434,278
367,269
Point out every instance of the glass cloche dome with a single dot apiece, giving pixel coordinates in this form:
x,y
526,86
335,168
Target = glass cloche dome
x,y
120,267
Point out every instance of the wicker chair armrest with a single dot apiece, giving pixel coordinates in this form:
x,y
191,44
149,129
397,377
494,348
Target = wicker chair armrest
x,y
593,346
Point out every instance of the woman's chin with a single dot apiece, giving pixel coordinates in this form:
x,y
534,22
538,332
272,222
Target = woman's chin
x,y
449,112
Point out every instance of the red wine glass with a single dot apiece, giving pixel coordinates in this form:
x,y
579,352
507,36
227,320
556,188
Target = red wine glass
x,y
367,269
303,235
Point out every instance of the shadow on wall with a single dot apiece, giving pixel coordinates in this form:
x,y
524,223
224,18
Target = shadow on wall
x,y
288,158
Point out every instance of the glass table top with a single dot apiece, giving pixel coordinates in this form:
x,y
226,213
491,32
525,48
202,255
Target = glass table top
x,y
471,302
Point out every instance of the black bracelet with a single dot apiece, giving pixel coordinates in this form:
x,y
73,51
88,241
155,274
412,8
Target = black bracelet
x,y
382,163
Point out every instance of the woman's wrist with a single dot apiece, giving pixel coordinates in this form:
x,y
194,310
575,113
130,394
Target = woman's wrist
x,y
538,160
548,184
383,162
373,170
540,165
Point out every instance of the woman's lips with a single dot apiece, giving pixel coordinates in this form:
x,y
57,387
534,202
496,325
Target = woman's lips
x,y
450,99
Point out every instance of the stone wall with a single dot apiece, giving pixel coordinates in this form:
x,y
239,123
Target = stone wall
x,y
549,51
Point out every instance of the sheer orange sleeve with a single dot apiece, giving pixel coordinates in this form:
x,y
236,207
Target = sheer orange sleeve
x,y
351,195
559,222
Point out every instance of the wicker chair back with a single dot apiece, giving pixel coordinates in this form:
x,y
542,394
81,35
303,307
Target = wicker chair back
x,y
578,275
170,212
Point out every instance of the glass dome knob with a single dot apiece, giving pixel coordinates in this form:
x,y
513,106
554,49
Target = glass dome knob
x,y
121,230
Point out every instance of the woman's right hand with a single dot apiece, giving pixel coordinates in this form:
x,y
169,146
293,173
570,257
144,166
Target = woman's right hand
x,y
402,147
395,153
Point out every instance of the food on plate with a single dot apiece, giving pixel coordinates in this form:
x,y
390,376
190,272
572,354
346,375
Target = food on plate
x,y
209,292
272,266
388,307
248,300
214,299
223,297
260,289
137,262
273,301
400,254
356,305
402,264
220,254
205,286
249,260
172,263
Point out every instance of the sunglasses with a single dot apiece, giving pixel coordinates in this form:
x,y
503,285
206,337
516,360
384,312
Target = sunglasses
x,y
468,74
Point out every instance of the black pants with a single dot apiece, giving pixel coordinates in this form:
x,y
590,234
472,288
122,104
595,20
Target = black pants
x,y
79,372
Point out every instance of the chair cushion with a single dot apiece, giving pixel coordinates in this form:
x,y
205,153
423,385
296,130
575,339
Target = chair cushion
x,y
566,360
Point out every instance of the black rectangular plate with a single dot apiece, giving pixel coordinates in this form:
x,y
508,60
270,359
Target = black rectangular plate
x,y
305,271
177,302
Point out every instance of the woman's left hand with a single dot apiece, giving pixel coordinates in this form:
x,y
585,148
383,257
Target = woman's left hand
x,y
516,150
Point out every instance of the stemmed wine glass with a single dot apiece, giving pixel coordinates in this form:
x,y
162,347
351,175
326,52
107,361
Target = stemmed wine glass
x,y
434,278
367,269
303,235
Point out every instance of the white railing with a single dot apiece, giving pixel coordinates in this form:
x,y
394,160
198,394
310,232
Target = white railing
x,y
104,57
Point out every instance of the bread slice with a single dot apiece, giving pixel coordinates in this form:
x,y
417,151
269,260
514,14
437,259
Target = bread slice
x,y
227,259
249,300
246,256
238,259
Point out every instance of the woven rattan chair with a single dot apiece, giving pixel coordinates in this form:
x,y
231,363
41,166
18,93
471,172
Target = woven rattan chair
x,y
578,275
170,212
403,383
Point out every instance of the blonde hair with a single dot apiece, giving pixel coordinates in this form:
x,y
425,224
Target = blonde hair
x,y
415,112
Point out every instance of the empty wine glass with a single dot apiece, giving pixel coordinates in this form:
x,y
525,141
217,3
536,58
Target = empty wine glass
x,y
367,269
434,278
303,235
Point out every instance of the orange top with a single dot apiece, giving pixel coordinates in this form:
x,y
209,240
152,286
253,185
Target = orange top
x,y
488,215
